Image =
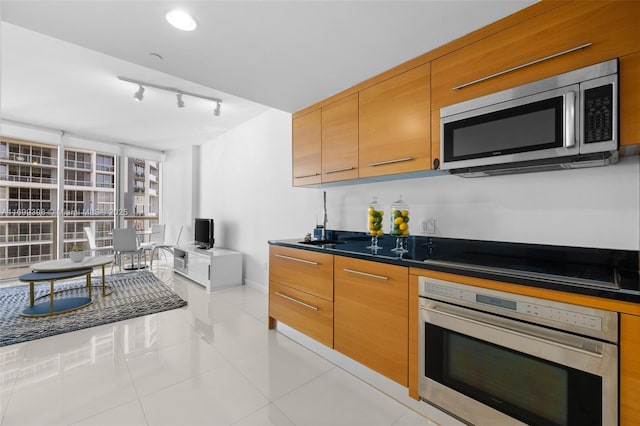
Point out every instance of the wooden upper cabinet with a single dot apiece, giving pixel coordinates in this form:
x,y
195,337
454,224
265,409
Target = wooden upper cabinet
x,y
340,140
307,145
630,101
610,26
395,124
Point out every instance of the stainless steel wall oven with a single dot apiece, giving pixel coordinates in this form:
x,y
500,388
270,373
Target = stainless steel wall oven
x,y
491,357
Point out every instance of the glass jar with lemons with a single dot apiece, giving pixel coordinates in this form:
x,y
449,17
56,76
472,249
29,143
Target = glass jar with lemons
x,y
375,214
399,224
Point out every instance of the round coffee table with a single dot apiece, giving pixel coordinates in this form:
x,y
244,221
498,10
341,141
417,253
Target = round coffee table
x,y
66,265
63,305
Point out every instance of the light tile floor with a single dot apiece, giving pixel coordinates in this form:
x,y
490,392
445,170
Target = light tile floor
x,y
213,362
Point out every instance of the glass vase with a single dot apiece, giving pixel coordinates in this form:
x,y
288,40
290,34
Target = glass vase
x,y
375,213
399,224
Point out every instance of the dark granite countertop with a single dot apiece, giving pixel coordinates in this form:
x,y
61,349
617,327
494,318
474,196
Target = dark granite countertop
x,y
607,273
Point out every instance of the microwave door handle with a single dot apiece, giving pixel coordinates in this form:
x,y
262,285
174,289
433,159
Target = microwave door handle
x,y
569,120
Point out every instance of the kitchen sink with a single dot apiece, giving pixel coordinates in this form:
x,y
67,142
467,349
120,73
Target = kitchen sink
x,y
322,242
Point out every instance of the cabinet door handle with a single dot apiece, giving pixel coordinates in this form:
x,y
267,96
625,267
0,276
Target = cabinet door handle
x,y
309,262
397,160
306,176
378,277
517,67
345,169
306,305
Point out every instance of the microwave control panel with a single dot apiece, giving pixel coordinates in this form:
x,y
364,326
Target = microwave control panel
x,y
598,114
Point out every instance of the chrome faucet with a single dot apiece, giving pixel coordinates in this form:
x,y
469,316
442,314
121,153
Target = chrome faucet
x,y
324,216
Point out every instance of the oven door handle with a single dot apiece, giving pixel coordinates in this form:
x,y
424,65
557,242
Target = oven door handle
x,y
441,310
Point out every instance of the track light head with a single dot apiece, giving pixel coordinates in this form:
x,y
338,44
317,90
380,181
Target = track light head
x,y
139,94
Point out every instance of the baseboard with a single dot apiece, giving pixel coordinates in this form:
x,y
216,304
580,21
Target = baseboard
x,y
367,375
258,286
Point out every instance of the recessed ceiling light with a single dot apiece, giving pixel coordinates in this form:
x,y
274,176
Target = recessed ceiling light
x,y
181,20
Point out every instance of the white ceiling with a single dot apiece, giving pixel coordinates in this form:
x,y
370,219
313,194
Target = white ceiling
x,y
59,60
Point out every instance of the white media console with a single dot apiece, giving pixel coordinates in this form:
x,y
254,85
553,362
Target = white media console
x,y
214,268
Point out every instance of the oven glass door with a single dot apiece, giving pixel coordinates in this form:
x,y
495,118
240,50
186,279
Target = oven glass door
x,y
527,388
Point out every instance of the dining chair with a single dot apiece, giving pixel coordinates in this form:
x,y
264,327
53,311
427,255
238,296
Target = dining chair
x,y
166,247
125,240
91,238
155,237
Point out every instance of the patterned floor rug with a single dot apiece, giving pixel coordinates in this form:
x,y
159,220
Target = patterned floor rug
x,y
134,294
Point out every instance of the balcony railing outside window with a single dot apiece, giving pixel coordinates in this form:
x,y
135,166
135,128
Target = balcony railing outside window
x,y
25,260
74,235
32,159
26,238
74,164
28,179
73,182
105,168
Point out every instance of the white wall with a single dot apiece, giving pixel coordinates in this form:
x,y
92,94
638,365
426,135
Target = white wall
x,y
246,187
177,184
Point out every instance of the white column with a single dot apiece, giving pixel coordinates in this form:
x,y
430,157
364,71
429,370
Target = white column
x,y
60,197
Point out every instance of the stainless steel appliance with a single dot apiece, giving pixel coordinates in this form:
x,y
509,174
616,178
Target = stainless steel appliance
x,y
566,121
491,357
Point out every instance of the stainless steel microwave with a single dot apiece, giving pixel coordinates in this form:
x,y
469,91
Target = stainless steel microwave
x,y
566,121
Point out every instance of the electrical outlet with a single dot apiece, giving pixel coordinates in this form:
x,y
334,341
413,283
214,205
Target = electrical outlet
x,y
428,226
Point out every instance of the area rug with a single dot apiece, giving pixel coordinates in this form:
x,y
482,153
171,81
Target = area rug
x,y
134,294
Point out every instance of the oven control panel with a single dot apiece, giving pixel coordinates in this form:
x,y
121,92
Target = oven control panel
x,y
528,308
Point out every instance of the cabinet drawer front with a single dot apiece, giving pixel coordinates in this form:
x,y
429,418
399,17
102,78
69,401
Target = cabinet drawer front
x,y
371,323
367,272
308,314
307,271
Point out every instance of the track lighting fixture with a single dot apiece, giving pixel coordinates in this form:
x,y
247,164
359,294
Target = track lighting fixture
x,y
138,95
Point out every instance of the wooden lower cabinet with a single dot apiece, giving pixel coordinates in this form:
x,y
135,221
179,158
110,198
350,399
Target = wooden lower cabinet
x,y
305,270
301,291
629,370
371,315
306,313
414,336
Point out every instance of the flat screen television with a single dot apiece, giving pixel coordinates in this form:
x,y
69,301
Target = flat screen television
x,y
204,233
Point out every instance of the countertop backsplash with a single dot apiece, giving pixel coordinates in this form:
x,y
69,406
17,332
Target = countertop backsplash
x,y
595,207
